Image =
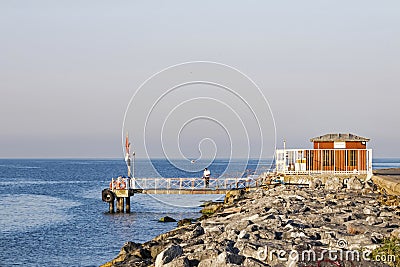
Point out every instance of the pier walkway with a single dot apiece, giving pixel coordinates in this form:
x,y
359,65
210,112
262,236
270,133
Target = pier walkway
x,y
121,189
184,185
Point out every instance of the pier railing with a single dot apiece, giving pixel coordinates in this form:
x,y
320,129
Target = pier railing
x,y
193,183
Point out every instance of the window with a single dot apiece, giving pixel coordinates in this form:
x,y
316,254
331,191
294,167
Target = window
x,y
352,158
327,157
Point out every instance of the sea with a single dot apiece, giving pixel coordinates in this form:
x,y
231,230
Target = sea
x,y
51,212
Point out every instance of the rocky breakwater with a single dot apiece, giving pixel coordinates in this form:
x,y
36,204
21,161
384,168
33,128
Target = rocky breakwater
x,y
284,226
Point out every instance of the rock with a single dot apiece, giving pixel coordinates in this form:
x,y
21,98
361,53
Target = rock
x,y
129,246
385,214
368,210
253,262
315,183
395,233
184,222
233,196
249,250
285,218
211,209
218,229
354,183
377,238
373,220
206,263
225,258
243,235
355,229
198,231
168,255
167,219
178,262
333,184
251,218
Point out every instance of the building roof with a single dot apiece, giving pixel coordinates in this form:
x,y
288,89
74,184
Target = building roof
x,y
339,137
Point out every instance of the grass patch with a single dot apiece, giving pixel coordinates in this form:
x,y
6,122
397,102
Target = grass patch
x,y
388,252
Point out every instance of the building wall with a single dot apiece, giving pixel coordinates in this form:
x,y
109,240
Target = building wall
x,y
330,145
337,160
356,145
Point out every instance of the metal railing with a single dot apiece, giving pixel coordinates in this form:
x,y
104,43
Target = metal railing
x,y
193,183
324,161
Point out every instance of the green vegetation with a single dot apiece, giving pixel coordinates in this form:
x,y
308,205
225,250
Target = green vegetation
x,y
389,252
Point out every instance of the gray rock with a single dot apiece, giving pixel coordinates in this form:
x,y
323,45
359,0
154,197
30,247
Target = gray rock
x,y
198,231
168,255
315,183
226,257
395,233
243,235
253,262
333,184
368,210
178,262
373,220
354,184
385,214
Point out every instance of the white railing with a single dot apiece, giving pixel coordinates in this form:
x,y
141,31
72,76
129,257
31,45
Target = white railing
x,y
321,161
193,183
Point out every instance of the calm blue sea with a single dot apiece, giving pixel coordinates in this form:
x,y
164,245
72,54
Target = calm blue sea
x,y
52,214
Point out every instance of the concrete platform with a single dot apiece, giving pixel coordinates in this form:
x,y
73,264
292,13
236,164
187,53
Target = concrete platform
x,y
388,171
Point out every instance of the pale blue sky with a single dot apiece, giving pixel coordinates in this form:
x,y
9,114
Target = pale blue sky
x,y
69,68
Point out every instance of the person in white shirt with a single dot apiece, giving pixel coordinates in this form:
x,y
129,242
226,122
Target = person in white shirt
x,y
206,176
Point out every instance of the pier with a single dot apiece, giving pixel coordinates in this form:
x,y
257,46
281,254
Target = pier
x,y
121,189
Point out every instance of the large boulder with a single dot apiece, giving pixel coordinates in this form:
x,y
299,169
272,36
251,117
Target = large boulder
x,y
168,255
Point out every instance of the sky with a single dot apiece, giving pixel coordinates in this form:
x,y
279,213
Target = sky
x,y
68,70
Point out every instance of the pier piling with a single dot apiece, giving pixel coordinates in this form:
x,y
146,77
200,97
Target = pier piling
x,y
111,208
127,204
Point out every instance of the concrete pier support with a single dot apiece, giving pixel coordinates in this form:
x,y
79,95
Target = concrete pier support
x,y
127,204
120,204
111,207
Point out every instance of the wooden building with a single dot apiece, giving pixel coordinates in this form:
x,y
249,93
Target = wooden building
x,y
332,153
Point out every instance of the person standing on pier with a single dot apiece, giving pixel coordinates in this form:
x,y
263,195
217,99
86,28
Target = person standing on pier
x,y
206,177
